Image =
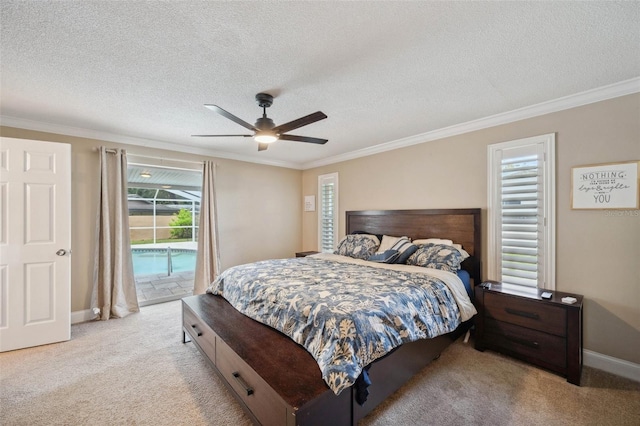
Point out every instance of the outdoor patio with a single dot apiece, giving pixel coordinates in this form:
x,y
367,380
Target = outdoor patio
x,y
158,288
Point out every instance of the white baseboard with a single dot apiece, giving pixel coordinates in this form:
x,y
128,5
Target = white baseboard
x,y
87,315
612,365
82,316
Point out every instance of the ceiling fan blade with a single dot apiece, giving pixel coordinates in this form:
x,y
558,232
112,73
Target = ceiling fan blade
x,y
263,146
303,139
230,116
303,121
220,136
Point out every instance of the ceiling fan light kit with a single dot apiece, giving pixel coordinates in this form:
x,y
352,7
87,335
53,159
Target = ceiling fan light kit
x,y
265,130
265,136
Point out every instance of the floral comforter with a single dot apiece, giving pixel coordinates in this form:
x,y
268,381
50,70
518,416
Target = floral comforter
x,y
346,313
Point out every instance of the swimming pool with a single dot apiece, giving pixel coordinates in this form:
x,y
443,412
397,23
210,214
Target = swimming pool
x,y
155,260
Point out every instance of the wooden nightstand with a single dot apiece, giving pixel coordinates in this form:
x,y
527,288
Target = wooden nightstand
x,y
547,333
305,253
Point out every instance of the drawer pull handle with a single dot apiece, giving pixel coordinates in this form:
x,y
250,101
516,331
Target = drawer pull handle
x,y
244,384
199,332
525,314
524,342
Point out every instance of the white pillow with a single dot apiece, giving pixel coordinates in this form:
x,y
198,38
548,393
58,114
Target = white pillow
x,y
462,251
388,242
433,241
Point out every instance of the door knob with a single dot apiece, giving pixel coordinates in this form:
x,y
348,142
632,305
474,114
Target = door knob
x,y
61,252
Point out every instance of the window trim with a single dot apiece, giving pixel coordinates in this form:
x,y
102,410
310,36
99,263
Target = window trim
x,y
549,207
323,179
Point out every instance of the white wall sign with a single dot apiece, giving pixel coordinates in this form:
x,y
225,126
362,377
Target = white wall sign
x,y
309,203
605,186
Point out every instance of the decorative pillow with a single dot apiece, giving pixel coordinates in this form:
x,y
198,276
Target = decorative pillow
x,y
379,236
445,242
388,242
406,249
389,256
358,246
436,256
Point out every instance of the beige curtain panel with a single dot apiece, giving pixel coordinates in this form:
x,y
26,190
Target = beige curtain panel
x,y
208,258
114,288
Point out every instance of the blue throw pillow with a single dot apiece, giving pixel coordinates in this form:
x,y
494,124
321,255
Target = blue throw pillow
x,y
389,256
406,248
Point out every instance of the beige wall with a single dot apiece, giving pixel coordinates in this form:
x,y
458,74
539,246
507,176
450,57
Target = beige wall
x,y
597,252
259,207
260,212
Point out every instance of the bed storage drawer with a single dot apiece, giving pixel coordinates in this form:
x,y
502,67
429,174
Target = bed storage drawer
x,y
264,402
199,332
277,382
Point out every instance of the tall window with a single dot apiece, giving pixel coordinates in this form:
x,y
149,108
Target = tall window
x,y
327,212
522,212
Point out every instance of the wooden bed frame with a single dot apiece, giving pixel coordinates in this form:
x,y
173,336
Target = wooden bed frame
x,y
277,381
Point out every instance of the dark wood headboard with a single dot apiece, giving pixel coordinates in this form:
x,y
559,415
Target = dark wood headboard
x,y
463,226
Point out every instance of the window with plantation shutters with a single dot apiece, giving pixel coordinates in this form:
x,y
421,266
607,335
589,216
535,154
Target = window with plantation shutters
x,y
522,218
327,212
522,212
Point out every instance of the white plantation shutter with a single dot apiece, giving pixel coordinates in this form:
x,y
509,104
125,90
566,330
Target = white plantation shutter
x,y
328,212
522,218
521,206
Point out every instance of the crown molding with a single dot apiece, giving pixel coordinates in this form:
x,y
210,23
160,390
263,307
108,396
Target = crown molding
x,y
611,91
41,126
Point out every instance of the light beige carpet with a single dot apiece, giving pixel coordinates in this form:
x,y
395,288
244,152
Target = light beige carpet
x,y
136,371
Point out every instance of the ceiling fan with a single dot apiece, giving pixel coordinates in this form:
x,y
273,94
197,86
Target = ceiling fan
x,y
265,130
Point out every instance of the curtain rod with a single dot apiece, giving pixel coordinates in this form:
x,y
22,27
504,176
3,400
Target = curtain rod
x,y
131,154
165,159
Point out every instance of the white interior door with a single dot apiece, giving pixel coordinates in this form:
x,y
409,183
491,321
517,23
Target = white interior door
x,y
35,240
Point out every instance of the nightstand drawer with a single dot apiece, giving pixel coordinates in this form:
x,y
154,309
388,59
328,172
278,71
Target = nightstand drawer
x,y
545,348
526,313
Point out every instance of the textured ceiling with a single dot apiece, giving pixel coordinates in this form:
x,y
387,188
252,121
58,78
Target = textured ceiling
x,y
139,176
382,71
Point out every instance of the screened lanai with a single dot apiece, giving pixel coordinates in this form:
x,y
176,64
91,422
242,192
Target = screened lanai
x,y
164,208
